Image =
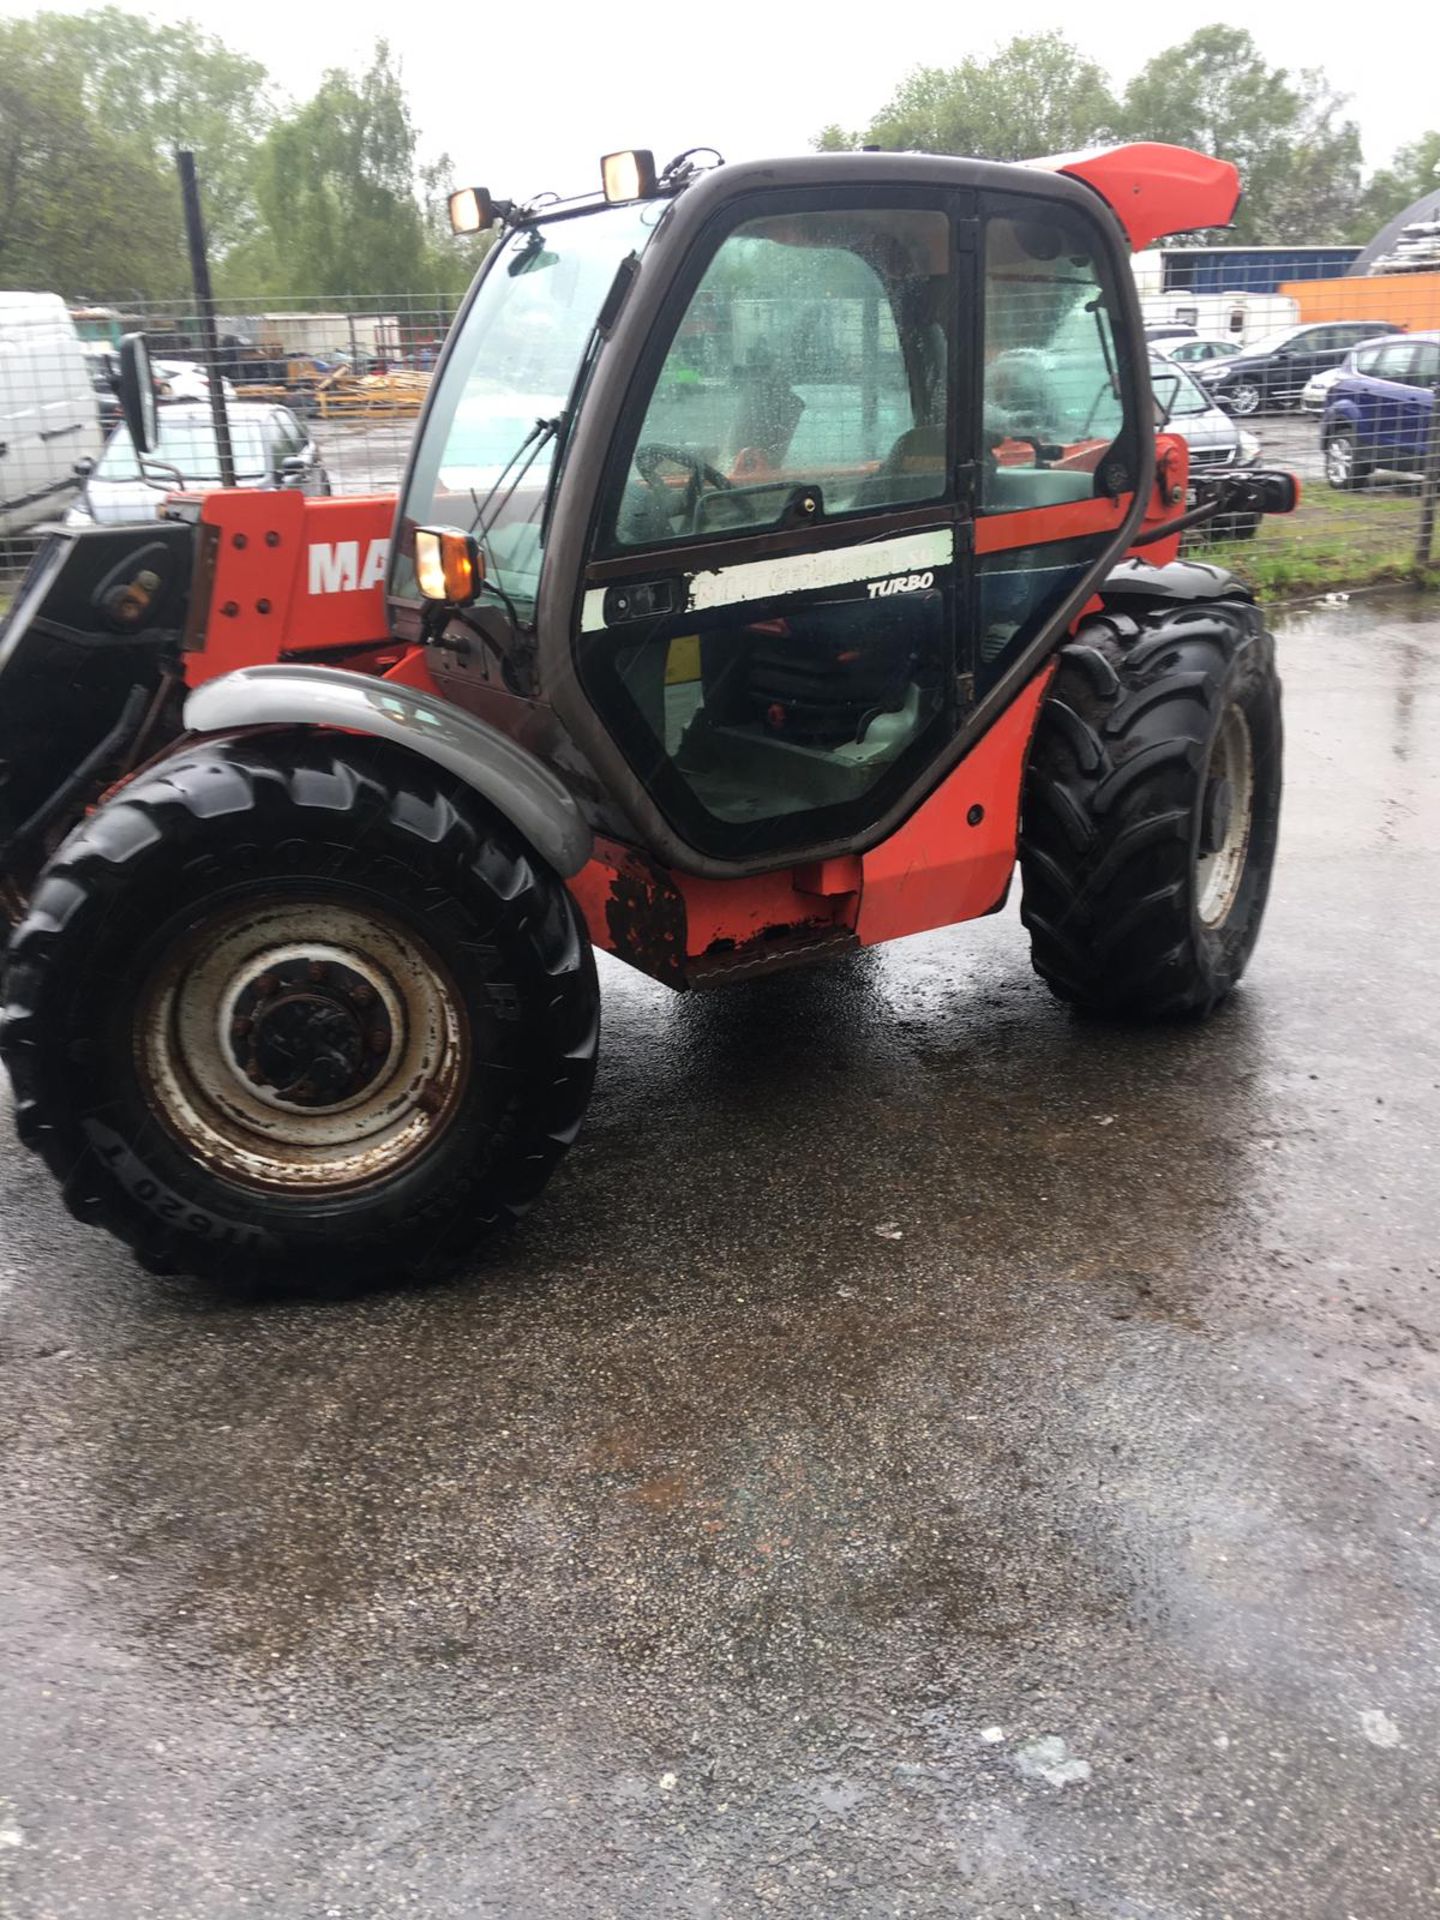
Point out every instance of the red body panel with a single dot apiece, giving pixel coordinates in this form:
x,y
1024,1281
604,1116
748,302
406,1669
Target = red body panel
x,y
953,857
950,861
292,576
1155,189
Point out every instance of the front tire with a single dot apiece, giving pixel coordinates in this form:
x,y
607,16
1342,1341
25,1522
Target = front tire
x,y
299,1006
1245,398
1151,809
1344,468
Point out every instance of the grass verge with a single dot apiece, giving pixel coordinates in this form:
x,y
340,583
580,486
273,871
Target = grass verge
x,y
1334,540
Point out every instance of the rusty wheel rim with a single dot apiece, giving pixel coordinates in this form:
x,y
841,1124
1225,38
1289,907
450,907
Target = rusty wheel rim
x,y
302,1048
1227,809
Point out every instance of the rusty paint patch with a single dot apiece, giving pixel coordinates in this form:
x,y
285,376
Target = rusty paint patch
x,y
770,951
645,919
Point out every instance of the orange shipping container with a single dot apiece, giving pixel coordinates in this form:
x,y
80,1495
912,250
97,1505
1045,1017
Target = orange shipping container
x,y
1409,300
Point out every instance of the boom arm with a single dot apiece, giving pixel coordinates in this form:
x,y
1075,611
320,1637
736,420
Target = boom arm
x,y
1154,189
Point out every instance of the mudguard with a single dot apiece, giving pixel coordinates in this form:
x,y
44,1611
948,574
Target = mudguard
x,y
538,804
1180,580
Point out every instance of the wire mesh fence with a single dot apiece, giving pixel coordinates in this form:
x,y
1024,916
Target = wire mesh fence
x,y
322,395
1279,357
1289,359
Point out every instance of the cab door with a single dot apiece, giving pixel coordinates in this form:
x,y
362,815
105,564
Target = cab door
x,y
777,589
1061,417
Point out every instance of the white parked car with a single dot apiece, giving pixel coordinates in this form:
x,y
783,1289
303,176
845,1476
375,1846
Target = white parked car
x,y
1217,443
184,380
174,380
271,447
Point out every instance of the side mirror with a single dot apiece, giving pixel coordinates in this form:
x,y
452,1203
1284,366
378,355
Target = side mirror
x,y
449,566
83,468
1166,388
1279,491
137,393
294,468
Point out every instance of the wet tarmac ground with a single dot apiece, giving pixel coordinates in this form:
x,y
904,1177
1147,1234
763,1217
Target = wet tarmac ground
x,y
927,1455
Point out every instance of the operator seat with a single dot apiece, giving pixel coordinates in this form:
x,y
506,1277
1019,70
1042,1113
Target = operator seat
x,y
914,469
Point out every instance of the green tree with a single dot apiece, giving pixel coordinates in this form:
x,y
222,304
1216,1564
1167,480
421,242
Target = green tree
x,y
1413,173
451,258
336,191
85,210
173,86
1037,95
1299,157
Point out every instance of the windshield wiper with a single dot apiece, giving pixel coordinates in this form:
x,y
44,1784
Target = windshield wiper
x,y
539,436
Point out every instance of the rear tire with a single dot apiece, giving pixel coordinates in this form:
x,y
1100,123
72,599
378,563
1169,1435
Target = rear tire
x,y
299,1007
1151,809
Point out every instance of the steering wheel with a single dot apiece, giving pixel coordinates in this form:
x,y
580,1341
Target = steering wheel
x,y
650,458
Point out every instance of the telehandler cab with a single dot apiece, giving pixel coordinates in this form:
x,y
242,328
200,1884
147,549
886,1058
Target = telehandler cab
x,y
758,591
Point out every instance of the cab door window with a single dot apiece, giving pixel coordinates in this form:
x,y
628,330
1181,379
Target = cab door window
x,y
810,365
1061,421
1053,396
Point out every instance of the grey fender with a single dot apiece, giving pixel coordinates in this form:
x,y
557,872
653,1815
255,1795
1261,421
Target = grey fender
x,y
512,780
1182,580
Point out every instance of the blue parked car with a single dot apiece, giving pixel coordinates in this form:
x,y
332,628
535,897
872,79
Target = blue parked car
x,y
1377,414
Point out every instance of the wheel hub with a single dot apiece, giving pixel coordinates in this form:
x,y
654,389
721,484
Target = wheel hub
x,y
1218,811
303,1046
313,1031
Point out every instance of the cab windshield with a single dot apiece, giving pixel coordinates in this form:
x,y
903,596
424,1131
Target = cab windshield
x,y
512,367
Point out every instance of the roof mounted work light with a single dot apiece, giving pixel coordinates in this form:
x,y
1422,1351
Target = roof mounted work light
x,y
471,210
629,175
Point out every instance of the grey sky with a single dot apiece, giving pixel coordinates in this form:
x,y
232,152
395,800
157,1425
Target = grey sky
x,y
527,98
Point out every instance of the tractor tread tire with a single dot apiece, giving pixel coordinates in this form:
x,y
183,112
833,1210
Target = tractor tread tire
x,y
346,808
1111,808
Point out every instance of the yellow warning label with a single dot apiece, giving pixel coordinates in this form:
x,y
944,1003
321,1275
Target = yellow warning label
x,y
682,662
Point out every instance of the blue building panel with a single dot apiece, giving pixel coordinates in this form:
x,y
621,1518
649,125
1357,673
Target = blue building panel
x,y
1250,269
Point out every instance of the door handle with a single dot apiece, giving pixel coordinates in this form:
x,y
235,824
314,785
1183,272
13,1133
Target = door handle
x,y
640,600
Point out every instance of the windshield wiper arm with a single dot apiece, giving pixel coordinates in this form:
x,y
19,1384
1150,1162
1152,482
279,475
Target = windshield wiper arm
x,y
539,434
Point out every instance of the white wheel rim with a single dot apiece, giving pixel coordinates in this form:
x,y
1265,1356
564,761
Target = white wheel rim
x,y
1246,399
1220,868
221,1065
1340,458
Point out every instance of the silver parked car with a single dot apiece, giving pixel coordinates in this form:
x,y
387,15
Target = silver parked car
x,y
1215,439
272,449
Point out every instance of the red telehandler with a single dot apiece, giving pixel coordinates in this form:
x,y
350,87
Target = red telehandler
x,y
785,550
